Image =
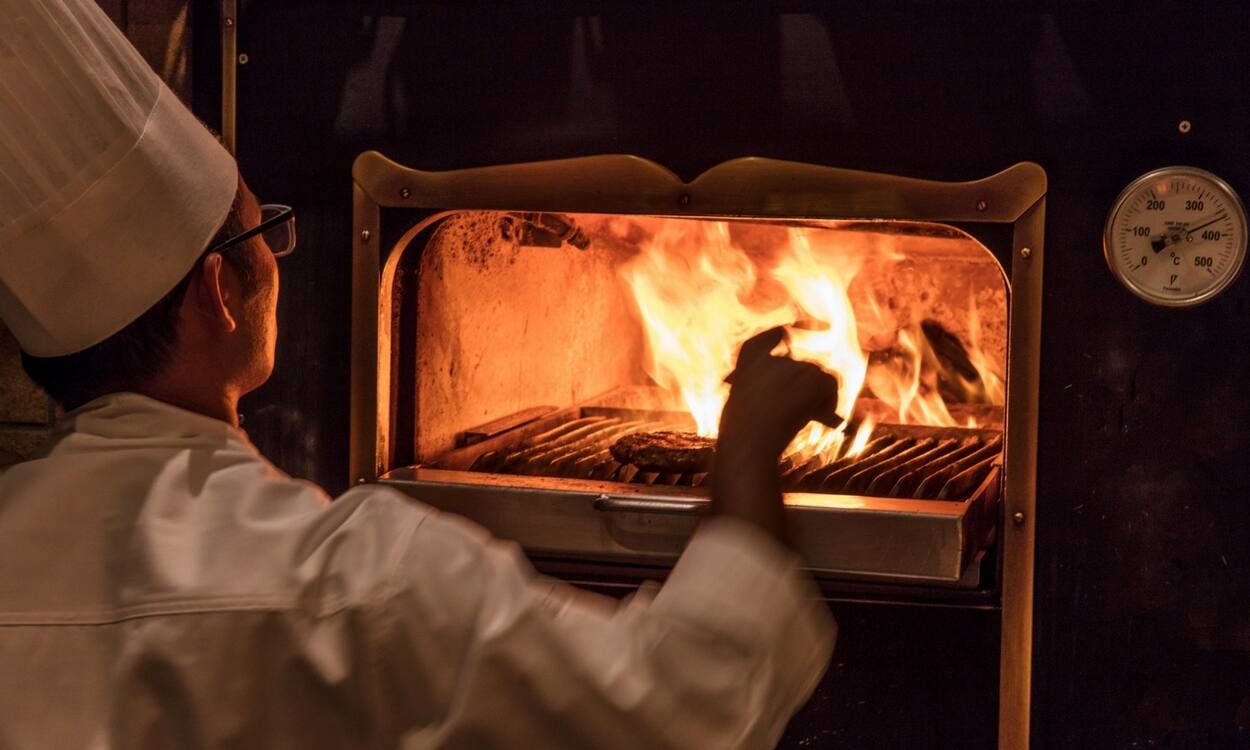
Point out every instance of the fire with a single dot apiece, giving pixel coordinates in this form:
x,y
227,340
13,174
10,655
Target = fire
x,y
692,310
991,379
909,386
700,295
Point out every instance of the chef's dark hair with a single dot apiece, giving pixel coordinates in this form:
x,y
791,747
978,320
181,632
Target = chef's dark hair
x,y
125,360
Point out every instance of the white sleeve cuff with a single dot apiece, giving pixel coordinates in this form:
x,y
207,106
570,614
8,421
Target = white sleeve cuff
x,y
735,575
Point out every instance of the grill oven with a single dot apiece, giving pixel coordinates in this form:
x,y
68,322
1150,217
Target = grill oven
x,y
1140,627
497,356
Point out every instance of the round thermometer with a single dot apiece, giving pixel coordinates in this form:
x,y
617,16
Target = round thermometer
x,y
1176,236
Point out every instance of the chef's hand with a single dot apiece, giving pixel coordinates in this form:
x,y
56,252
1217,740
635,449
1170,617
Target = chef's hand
x,y
771,399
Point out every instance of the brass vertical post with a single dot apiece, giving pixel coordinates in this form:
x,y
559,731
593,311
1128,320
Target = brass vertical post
x,y
367,405
1019,509
229,72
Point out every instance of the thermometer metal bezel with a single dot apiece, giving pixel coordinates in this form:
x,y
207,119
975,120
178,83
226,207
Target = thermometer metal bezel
x,y
1239,249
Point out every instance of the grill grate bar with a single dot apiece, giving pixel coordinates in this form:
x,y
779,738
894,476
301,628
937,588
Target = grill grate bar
x,y
912,475
887,476
934,485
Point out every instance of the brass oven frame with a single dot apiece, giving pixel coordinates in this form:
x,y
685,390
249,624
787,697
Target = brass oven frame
x,y
748,187
229,20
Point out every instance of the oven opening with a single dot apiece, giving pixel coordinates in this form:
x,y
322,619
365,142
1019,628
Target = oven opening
x,y
597,346
559,378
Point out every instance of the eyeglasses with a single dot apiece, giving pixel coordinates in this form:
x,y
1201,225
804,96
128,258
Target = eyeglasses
x,y
276,227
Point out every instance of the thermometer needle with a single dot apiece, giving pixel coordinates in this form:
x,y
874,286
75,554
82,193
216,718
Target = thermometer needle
x,y
1162,241
1206,223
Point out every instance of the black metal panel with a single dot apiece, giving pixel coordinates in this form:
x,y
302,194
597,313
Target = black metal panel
x,y
1143,628
905,677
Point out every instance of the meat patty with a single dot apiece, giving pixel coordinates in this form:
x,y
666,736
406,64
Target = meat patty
x,y
671,452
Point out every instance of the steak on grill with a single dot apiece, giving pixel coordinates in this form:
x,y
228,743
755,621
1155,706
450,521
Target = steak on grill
x,y
671,452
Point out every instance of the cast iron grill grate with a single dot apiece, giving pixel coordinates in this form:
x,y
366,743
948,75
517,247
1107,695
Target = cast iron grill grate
x,y
905,461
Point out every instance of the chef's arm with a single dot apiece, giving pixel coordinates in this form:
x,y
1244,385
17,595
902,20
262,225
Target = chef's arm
x,y
478,651
771,399
474,649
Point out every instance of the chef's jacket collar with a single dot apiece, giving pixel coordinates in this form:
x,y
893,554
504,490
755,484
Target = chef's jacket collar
x,y
133,415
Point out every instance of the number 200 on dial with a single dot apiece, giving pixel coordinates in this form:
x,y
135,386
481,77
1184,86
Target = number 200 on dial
x,y
1176,236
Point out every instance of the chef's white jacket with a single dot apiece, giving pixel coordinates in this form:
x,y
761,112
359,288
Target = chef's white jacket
x,y
163,586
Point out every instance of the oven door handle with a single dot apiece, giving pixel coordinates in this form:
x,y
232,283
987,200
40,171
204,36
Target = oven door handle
x,y
608,503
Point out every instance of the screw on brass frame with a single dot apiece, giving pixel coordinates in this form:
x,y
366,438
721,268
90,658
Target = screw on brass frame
x,y
1018,517
1185,126
405,193
228,22
364,235
982,205
684,199
1025,253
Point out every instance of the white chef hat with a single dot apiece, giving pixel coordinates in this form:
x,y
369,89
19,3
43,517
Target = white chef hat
x,y
110,189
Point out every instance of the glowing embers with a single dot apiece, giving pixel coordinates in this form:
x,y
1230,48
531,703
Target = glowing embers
x,y
899,461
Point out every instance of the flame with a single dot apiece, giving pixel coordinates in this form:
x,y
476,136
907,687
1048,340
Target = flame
x,y
991,378
908,383
699,296
860,441
692,309
818,289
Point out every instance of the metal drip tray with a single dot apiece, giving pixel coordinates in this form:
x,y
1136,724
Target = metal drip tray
x,y
547,481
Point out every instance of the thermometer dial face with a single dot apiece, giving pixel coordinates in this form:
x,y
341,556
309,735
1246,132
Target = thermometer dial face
x,y
1176,236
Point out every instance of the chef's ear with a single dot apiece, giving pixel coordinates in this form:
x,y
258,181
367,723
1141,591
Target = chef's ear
x,y
209,295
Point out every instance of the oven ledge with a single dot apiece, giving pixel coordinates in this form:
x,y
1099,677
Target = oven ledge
x,y
839,536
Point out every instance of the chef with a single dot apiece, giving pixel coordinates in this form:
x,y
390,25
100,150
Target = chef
x,y
162,585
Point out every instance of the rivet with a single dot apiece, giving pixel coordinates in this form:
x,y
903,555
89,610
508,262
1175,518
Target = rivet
x,y
405,193
1185,126
684,199
243,58
364,235
1025,253
982,205
1018,517
228,22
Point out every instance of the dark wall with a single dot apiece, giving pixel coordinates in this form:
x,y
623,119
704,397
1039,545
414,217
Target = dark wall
x,y
1143,628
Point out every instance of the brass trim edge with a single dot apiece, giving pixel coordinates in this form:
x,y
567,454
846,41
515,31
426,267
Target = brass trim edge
x,y
750,186
1019,495
369,413
229,22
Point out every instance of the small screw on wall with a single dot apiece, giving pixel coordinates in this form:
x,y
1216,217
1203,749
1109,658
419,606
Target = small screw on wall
x,y
243,58
1025,253
684,199
228,22
364,235
1018,517
405,193
982,205
1184,126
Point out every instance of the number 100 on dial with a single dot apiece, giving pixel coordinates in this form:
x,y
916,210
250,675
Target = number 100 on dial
x,y
1176,236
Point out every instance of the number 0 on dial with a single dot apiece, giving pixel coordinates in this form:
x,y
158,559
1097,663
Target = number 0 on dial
x,y
1176,236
